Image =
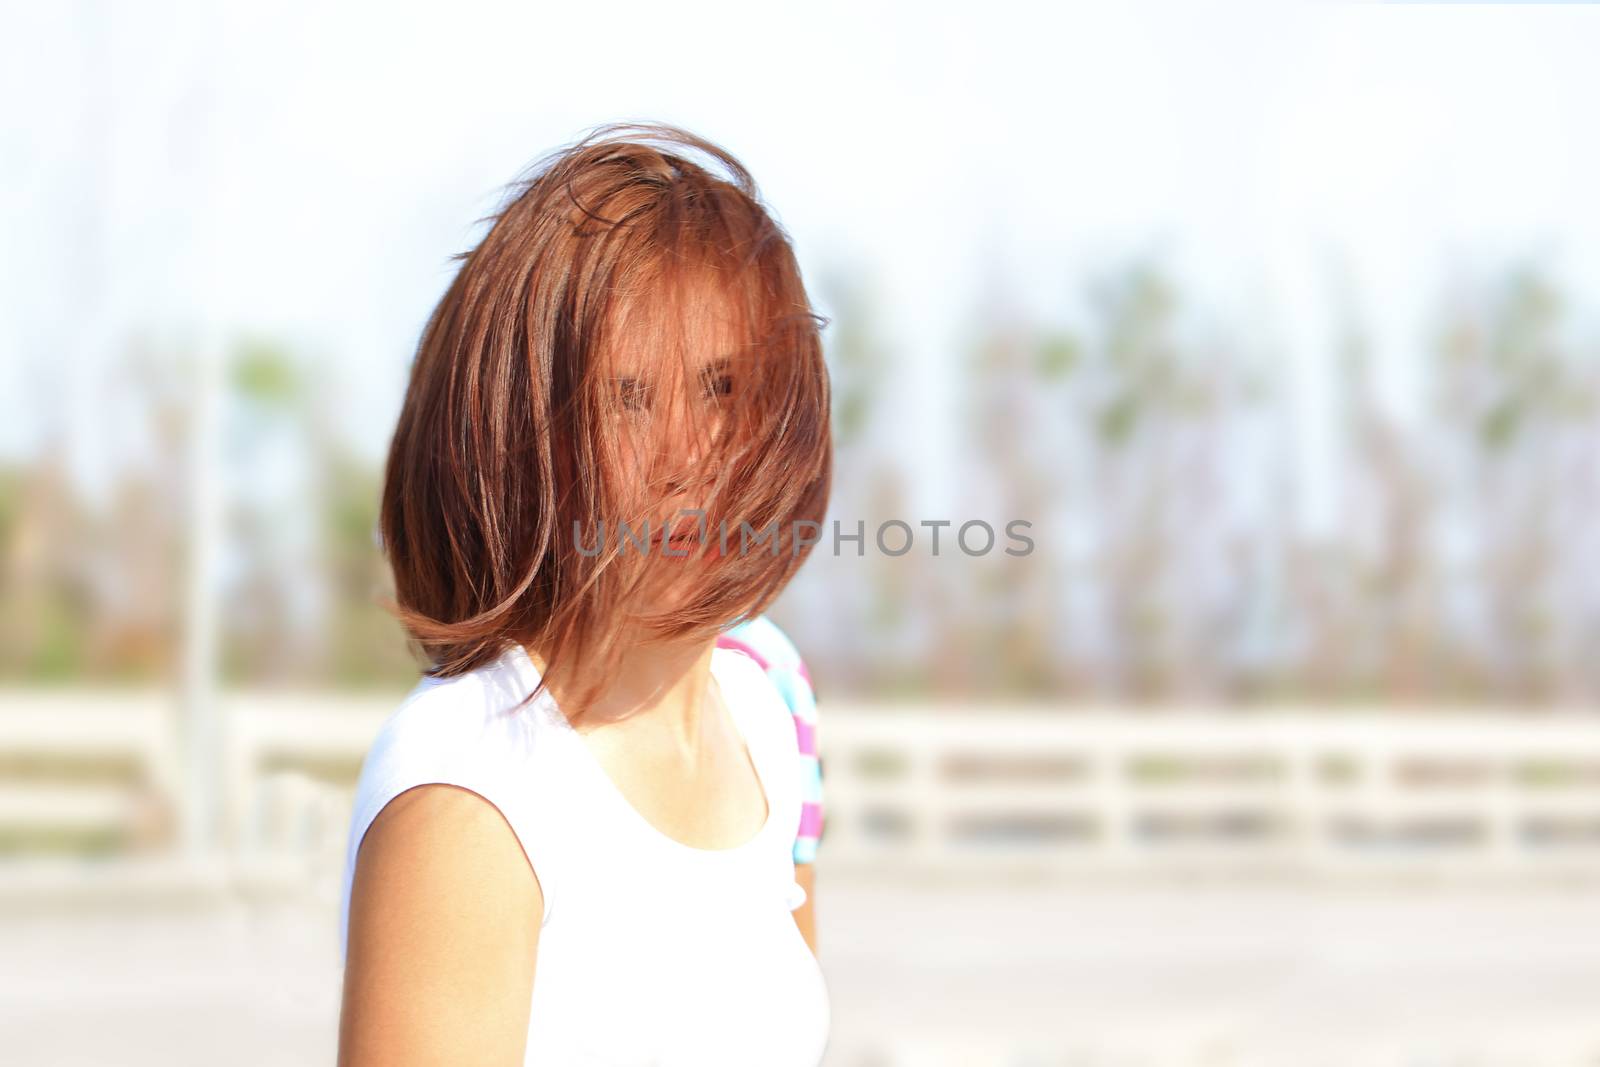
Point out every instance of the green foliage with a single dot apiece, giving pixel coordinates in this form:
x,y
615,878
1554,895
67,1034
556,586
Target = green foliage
x,y
60,624
1059,355
857,360
1529,381
263,373
1116,421
11,484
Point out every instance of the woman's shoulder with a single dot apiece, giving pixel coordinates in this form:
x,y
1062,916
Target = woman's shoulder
x,y
763,642
466,731
776,674
471,730
772,654
478,714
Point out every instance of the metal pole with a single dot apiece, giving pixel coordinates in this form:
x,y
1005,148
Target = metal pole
x,y
199,698
200,719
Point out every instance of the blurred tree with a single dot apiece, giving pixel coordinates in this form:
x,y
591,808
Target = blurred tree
x,y
354,642
1127,437
1517,402
850,611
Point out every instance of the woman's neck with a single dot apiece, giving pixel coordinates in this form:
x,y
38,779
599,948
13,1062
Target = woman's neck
x,y
664,689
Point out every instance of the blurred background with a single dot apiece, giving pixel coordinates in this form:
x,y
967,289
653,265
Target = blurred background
x,y
1279,323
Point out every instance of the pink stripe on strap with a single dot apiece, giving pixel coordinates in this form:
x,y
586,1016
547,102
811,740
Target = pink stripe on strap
x,y
724,641
807,735
810,819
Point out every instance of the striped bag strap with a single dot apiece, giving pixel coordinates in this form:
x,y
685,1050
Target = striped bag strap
x,y
762,640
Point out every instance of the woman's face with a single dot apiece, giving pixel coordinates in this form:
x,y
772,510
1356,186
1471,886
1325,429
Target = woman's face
x,y
669,414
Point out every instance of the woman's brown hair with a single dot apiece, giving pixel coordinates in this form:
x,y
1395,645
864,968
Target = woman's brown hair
x,y
631,334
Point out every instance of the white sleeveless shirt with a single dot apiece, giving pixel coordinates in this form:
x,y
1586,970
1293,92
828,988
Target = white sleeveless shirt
x,y
651,952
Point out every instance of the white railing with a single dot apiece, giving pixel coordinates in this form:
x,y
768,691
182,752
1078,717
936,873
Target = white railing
x,y
1297,790
1294,790
87,765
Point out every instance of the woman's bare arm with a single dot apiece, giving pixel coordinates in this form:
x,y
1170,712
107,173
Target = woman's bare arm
x,y
805,916
444,928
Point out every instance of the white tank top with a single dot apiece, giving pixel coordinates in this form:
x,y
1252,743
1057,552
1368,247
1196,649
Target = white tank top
x,y
651,951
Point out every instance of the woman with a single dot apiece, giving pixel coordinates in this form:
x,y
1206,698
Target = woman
x,y
576,841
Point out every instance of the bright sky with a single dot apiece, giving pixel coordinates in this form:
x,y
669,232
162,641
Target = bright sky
x,y
306,169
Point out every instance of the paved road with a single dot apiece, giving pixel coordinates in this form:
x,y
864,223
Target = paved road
x,y
1091,976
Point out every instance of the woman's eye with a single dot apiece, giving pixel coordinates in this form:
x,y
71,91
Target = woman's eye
x,y
632,394
719,385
